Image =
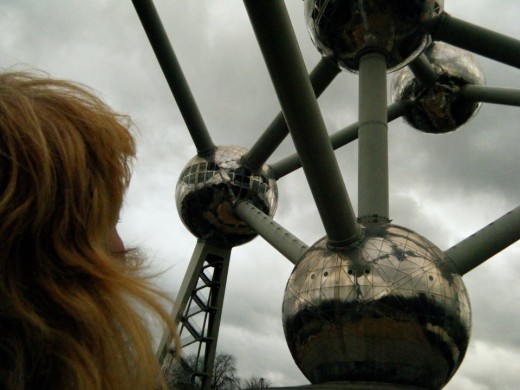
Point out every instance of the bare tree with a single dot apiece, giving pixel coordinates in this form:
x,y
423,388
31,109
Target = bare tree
x,y
256,383
179,373
224,373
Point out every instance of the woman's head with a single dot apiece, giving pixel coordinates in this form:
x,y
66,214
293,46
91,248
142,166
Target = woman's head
x,y
67,311
63,162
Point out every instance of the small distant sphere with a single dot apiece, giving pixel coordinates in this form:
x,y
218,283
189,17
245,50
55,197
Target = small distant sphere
x,y
439,109
346,29
385,310
209,187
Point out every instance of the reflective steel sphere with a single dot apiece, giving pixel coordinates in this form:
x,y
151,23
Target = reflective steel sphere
x,y
439,108
209,187
345,29
383,310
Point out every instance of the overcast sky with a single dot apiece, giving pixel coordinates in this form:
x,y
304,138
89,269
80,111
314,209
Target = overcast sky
x,y
444,187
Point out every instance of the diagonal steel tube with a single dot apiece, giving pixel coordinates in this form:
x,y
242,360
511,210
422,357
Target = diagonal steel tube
x,y
337,140
373,200
284,61
476,39
485,94
174,76
487,242
423,71
321,77
281,239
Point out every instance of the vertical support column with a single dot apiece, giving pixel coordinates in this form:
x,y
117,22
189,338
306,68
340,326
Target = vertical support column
x,y
198,310
373,201
187,286
220,266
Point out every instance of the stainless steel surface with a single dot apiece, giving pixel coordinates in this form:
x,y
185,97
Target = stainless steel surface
x,y
209,187
383,310
440,108
345,29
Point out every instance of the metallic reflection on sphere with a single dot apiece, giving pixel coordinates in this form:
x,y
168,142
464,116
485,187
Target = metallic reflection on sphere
x,y
383,310
439,109
345,29
209,187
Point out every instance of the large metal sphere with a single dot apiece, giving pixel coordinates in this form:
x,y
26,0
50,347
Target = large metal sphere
x,y
385,310
345,29
439,108
209,187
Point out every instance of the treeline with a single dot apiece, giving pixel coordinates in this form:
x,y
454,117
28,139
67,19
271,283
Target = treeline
x,y
179,374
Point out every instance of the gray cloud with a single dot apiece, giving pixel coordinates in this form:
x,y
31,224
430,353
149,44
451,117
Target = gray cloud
x,y
444,187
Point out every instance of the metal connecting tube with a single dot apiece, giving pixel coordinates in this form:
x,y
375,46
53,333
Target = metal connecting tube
x,y
284,61
337,140
174,76
373,200
485,94
476,39
281,239
487,242
321,77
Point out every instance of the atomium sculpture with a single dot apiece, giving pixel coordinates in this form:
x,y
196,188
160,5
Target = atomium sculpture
x,y
372,304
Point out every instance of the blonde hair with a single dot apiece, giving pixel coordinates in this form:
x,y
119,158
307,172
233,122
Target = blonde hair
x,y
68,316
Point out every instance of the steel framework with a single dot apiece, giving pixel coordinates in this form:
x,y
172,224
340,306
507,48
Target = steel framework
x,y
201,296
